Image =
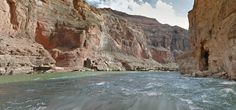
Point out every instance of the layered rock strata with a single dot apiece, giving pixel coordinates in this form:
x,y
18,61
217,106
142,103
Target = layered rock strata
x,y
42,35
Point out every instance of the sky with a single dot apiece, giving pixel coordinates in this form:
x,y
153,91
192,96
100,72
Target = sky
x,y
172,12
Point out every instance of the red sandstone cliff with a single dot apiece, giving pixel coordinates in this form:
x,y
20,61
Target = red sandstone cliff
x,y
213,39
43,34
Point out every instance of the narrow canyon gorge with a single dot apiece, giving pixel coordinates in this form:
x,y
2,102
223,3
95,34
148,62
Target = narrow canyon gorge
x,y
71,35
97,58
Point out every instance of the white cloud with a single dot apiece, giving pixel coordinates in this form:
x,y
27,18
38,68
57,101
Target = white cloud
x,y
163,12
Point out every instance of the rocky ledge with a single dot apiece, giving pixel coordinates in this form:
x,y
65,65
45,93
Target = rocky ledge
x,y
213,40
68,35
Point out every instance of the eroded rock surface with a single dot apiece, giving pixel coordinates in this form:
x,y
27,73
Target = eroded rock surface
x,y
213,39
37,35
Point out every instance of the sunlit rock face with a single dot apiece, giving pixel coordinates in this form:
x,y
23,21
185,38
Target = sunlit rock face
x,y
44,34
213,39
18,50
163,42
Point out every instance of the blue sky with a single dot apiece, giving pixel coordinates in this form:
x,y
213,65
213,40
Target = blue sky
x,y
173,12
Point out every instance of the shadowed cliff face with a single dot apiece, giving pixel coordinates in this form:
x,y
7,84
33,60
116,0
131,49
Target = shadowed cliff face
x,y
73,35
212,34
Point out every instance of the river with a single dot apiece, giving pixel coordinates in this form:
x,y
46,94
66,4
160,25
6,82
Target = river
x,y
118,91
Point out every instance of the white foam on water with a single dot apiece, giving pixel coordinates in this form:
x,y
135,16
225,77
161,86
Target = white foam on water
x,y
127,91
151,93
203,96
63,77
151,85
206,101
195,108
41,108
100,83
182,86
228,83
209,89
33,100
187,100
190,103
131,80
227,91
226,103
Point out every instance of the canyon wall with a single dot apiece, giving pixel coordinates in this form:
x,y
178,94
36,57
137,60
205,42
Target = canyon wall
x,y
213,40
66,35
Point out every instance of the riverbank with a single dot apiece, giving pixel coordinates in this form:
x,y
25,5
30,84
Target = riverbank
x,y
59,75
43,76
39,71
